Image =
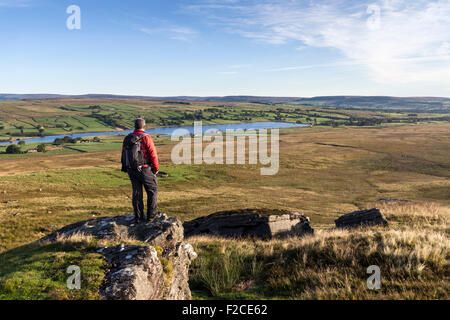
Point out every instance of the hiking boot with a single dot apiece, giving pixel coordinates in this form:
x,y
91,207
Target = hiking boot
x,y
154,216
138,221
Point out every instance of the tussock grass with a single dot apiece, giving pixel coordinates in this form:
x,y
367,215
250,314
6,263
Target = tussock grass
x,y
417,215
324,173
332,264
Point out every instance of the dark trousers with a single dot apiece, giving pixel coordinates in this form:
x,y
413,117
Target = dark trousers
x,y
146,179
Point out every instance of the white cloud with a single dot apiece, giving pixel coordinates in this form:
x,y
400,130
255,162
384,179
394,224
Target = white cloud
x,y
313,66
173,32
397,41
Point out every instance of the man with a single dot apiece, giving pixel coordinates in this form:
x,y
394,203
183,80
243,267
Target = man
x,y
140,161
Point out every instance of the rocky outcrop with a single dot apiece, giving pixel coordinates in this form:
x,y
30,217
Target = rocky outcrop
x,y
156,268
259,223
361,218
179,287
134,273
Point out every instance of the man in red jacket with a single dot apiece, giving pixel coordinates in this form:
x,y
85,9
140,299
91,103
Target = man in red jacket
x,y
144,175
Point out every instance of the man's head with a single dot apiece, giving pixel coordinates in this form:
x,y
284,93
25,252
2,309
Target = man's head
x,y
139,124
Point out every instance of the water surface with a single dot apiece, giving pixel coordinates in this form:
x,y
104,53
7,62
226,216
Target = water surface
x,y
170,130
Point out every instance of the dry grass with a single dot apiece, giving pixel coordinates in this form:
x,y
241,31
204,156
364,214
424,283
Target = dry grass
x,y
331,264
323,173
427,215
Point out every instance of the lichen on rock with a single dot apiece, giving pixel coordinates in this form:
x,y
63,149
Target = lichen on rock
x,y
144,262
258,223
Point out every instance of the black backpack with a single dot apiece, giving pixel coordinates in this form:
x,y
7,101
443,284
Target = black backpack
x,y
132,157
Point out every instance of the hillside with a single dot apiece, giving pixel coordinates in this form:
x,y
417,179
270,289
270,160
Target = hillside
x,y
324,173
43,117
431,104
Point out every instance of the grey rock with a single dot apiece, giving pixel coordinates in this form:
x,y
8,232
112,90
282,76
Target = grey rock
x,y
179,287
135,272
260,223
162,231
361,218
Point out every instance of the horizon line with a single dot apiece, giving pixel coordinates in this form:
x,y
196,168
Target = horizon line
x,y
208,96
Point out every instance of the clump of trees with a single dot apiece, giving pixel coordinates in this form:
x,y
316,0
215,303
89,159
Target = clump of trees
x,y
177,102
66,139
41,148
110,120
13,149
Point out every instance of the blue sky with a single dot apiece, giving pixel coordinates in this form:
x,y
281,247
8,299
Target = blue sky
x,y
227,47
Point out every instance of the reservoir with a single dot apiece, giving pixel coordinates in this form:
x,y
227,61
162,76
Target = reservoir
x,y
170,130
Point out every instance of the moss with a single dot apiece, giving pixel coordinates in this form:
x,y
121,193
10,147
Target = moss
x,y
168,271
159,250
167,266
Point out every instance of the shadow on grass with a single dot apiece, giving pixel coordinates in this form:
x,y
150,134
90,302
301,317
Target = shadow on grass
x,y
38,271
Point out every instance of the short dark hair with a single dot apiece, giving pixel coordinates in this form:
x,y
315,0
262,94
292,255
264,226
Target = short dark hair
x,y
139,123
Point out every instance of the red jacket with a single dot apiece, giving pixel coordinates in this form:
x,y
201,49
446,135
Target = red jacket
x,y
148,149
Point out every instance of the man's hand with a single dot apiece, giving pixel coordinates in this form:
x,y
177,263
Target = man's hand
x,y
155,173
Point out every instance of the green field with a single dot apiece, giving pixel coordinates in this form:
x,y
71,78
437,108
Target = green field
x,y
28,118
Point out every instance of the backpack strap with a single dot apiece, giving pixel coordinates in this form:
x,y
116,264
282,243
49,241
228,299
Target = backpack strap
x,y
142,135
139,137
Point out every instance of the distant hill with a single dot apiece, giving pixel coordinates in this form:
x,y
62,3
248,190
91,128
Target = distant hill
x,y
380,102
432,104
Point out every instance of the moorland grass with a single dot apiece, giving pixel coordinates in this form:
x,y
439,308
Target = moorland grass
x,y
332,264
324,173
39,271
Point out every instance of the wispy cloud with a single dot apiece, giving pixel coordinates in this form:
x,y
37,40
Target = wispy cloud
x,y
173,32
234,68
239,66
313,66
227,72
15,3
397,41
